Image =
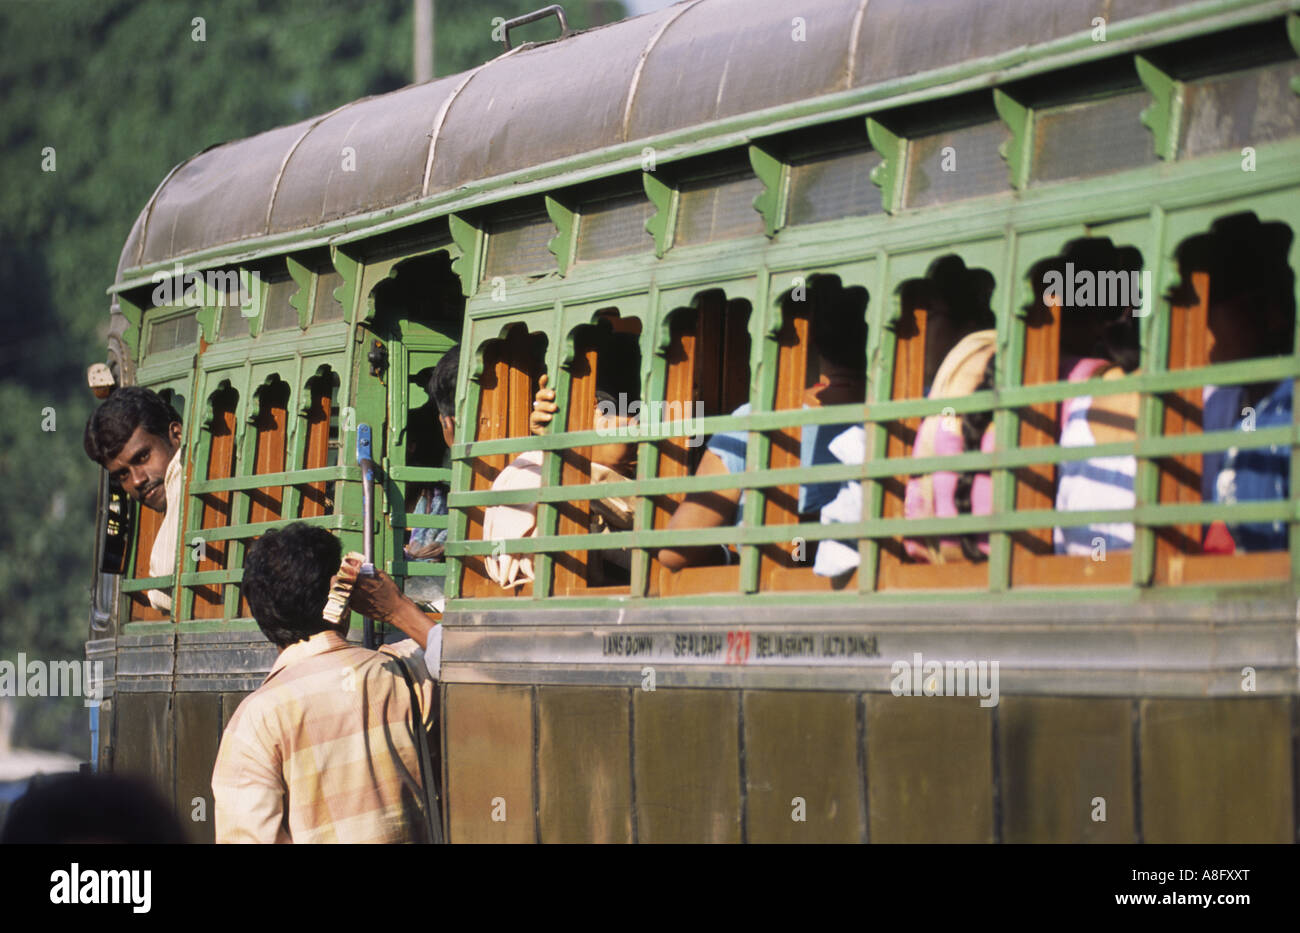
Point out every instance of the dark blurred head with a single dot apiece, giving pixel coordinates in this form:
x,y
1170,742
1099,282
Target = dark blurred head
x,y
442,389
91,808
287,580
1251,310
1251,301
957,303
618,368
839,326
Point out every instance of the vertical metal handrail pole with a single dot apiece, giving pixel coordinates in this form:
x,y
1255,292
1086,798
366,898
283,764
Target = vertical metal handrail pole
x,y
367,464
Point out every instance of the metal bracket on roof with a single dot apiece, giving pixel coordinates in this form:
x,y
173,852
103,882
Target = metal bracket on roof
x,y
771,171
1016,151
533,17
888,175
1164,116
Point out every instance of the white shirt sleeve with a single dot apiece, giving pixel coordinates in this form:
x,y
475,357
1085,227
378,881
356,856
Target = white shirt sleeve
x,y
433,651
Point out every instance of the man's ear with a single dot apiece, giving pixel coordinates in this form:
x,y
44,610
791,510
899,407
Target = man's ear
x,y
175,433
448,425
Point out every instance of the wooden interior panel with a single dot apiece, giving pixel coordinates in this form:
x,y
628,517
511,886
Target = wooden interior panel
x,y
1040,426
266,503
734,371
147,524
782,505
908,382
690,581
1056,569
271,426
209,598
575,517
802,579
1180,476
1221,568
316,450
957,574
679,392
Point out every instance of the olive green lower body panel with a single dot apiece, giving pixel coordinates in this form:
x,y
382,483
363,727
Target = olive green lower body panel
x,y
198,731
170,741
615,764
145,738
490,735
1218,772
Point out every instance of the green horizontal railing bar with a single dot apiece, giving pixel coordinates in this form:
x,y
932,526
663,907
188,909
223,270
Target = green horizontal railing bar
x,y
416,568
1148,515
147,583
340,522
211,576
418,521
419,474
879,468
292,478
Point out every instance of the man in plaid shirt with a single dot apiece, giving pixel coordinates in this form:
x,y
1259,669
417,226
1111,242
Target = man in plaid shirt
x,y
325,750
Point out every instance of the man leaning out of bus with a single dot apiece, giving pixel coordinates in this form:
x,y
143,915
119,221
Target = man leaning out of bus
x,y
136,436
326,750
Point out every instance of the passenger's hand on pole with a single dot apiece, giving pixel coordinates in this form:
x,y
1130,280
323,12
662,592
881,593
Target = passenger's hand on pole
x,y
377,596
544,407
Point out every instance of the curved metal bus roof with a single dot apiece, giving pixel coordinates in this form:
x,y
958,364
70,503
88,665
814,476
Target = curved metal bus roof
x,y
692,63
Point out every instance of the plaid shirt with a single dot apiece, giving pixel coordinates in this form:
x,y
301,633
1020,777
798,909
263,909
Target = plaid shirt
x,y
323,750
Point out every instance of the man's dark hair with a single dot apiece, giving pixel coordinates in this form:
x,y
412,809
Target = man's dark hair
x,y
91,808
112,424
287,581
442,384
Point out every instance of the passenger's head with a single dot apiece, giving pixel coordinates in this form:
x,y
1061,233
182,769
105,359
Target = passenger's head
x,y
133,436
1104,283
442,389
1251,310
839,331
957,300
91,808
1251,301
287,581
1250,323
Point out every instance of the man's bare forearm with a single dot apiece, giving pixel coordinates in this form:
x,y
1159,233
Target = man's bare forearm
x,y
412,621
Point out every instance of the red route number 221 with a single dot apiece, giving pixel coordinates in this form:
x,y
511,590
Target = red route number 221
x,y
737,647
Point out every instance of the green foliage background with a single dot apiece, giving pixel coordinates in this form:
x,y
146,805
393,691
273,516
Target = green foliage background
x,y
121,91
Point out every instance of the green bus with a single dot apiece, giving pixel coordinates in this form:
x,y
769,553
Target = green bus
x,y
700,184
